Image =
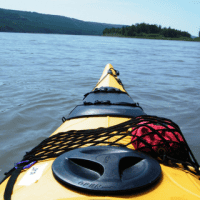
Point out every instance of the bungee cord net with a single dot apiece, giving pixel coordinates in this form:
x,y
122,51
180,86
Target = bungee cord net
x,y
158,137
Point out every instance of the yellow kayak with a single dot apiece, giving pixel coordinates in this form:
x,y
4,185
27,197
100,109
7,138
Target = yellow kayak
x,y
93,156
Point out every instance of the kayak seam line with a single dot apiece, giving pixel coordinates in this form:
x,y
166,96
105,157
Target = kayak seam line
x,y
183,188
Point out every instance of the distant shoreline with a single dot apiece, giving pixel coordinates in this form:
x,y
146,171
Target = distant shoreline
x,y
13,21
106,35
156,38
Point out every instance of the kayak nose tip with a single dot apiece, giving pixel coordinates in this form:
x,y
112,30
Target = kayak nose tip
x,y
109,66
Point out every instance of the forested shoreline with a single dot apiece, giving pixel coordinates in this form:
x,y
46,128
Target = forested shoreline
x,y
144,30
31,22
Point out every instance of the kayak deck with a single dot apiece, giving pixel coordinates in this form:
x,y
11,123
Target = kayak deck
x,y
38,182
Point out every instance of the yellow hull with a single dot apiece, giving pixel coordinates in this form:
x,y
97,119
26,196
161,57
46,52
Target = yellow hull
x,y
38,182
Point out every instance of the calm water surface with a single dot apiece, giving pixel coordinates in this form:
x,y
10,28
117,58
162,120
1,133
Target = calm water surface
x,y
42,77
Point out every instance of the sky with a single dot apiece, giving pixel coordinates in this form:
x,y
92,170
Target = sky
x,y
182,15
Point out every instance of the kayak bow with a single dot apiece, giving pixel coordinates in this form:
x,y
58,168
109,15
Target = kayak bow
x,y
101,164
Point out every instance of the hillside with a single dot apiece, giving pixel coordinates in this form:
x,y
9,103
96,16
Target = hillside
x,y
32,22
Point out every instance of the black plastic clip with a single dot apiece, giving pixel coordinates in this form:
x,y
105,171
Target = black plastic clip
x,y
64,119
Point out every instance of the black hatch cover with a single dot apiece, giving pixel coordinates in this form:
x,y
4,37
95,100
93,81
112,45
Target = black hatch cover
x,y
106,169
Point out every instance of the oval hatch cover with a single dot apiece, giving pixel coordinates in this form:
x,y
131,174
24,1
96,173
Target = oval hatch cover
x,y
106,169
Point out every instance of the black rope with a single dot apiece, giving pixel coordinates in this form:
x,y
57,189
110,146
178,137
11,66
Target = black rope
x,y
97,102
105,90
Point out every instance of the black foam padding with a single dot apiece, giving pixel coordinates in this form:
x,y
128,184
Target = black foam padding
x,y
105,110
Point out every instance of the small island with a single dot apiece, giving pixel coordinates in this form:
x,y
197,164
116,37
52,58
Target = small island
x,y
149,31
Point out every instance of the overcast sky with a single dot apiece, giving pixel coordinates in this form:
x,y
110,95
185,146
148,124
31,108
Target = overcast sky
x,y
182,15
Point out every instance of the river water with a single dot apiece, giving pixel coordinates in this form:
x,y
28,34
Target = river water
x,y
43,76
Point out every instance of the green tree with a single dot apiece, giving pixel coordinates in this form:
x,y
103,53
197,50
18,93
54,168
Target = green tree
x,y
142,29
105,31
123,30
153,29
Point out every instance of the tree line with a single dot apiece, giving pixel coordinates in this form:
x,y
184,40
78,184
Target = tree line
x,y
143,28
